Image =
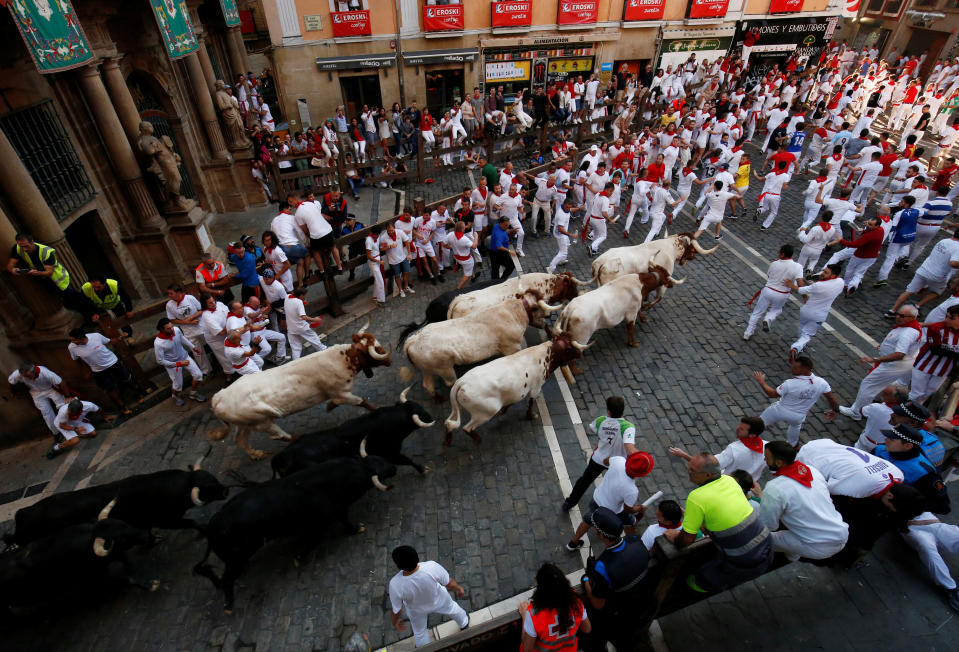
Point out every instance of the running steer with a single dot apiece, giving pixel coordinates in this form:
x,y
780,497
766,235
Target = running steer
x,y
253,402
75,558
552,288
152,500
494,330
439,307
380,433
299,505
489,389
636,259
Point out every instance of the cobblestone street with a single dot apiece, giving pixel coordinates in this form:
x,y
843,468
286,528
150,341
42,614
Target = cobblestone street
x,y
491,514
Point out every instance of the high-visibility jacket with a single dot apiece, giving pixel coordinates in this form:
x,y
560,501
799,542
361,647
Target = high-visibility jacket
x,y
108,302
60,277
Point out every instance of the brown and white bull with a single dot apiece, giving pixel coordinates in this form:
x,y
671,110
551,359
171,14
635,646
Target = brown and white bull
x,y
552,288
253,402
489,389
669,251
619,300
495,330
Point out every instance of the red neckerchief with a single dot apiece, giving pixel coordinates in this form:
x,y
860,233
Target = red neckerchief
x,y
291,296
796,471
164,336
913,324
36,370
233,314
836,157
227,342
825,226
919,186
604,193
213,309
755,444
458,234
820,179
406,220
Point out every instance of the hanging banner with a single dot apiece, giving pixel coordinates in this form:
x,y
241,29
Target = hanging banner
x,y
578,12
644,10
775,41
443,18
351,23
512,14
850,8
231,15
708,8
175,27
785,6
51,33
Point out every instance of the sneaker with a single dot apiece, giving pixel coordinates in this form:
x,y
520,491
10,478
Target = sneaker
x,y
746,336
765,325
402,294
411,290
889,314
521,254
196,396
567,505
851,291
466,626
433,280
849,412
906,265
763,228
53,452
880,283
625,234
178,400
573,546
718,237
733,216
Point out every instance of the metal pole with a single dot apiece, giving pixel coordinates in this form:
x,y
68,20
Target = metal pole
x,y
399,53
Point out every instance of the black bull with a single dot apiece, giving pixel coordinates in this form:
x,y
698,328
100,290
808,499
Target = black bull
x,y
152,500
384,429
299,505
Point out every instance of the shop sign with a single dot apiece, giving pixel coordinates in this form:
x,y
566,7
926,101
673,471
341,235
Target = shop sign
x,y
578,12
443,18
563,69
506,71
785,6
644,10
708,8
313,22
351,23
512,14
357,62
440,56
806,36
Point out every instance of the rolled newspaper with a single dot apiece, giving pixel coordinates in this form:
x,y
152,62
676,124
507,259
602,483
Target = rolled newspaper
x,y
649,501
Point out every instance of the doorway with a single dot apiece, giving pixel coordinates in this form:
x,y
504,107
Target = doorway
x,y
928,42
360,90
443,88
87,236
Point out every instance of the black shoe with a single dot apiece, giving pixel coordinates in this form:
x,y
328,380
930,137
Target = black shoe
x,y
851,291
765,326
567,505
433,280
53,452
442,279
352,275
573,546
952,598
467,623
889,314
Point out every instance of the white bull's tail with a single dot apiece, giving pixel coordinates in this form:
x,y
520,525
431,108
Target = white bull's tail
x,y
453,422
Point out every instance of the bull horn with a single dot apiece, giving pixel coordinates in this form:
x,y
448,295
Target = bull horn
x,y
581,347
676,281
519,286
378,356
548,308
195,496
365,326
420,423
363,448
404,393
589,282
105,512
568,375
196,467
665,233
379,485
699,248
99,547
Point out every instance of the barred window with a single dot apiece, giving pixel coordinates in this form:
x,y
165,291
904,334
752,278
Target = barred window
x,y
45,149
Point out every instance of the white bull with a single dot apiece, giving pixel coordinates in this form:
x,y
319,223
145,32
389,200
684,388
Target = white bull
x,y
253,402
489,389
498,329
633,260
552,288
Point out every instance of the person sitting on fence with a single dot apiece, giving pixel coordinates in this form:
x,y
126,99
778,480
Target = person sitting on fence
x,y
355,248
352,177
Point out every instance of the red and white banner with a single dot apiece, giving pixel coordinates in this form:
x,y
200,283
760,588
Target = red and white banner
x,y
850,8
708,8
351,23
785,6
443,18
644,9
578,12
512,14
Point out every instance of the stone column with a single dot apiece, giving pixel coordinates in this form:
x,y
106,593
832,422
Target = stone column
x,y
207,65
122,99
118,147
236,50
205,108
32,211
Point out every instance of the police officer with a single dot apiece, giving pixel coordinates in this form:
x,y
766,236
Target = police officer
x,y
29,258
617,598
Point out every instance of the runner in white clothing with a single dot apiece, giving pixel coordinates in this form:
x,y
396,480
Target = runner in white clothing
x,y
774,185
299,325
599,213
462,245
818,298
421,589
658,197
561,234
781,277
879,416
244,358
796,395
745,453
849,471
716,200
815,241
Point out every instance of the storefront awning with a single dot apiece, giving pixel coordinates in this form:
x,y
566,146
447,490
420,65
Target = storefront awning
x,y
357,62
440,56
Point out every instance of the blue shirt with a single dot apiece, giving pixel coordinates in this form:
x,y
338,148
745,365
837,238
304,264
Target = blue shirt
x,y
842,138
905,231
936,210
499,238
246,269
796,141
341,124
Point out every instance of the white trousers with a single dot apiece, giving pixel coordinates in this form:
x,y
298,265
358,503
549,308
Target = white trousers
x,y
926,539
886,373
786,542
274,339
641,205
379,287
428,140
776,413
421,635
658,220
894,251
808,327
216,345
856,269
562,249
923,385
43,402
860,194
599,232
809,256
810,213
545,207
770,208
298,340
202,361
769,305
255,365
176,374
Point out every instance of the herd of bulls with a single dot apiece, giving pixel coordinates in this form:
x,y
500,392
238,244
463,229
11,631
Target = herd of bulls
x,y
75,539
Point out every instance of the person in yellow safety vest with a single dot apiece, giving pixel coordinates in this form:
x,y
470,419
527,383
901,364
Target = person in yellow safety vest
x,y
105,294
213,279
29,258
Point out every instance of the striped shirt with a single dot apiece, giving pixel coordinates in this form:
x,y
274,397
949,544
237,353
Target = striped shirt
x,y
934,211
938,336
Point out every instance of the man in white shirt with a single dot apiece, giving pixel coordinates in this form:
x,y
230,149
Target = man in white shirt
x,y
462,245
849,471
933,275
618,493
796,395
878,416
510,206
258,316
897,352
543,201
285,229
309,217
372,248
744,454
797,509
299,325
716,199
600,212
421,588
869,174
561,234
774,184
172,351
237,321
213,326
184,311
658,197
73,424
781,277
244,358
397,246
818,298
45,387
108,372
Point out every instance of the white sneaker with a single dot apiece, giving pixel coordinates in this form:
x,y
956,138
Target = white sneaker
x,y
521,254
411,290
849,412
402,294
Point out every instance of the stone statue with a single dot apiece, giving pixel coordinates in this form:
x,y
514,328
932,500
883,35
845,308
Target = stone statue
x,y
164,163
229,110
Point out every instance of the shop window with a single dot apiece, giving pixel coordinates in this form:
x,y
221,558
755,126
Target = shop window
x,y
892,8
349,5
926,3
443,88
45,149
875,6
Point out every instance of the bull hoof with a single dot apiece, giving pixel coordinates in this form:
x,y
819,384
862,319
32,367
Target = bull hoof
x,y
426,469
643,319
218,434
632,344
281,437
153,586
330,406
257,455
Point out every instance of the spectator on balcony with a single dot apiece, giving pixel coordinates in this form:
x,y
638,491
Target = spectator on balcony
x,y
359,140
342,130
